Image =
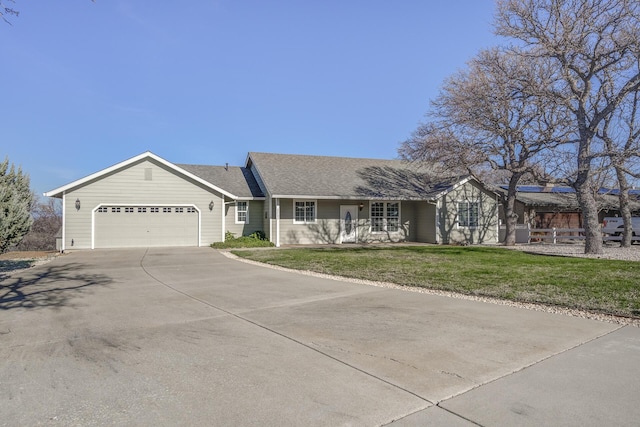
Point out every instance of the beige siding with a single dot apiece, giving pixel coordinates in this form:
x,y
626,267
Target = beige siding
x,y
326,229
267,217
142,183
256,219
487,230
426,223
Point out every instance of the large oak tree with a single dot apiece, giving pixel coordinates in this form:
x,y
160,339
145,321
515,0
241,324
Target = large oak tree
x,y
594,45
491,116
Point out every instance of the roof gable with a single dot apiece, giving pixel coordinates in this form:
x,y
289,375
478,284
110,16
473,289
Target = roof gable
x,y
58,192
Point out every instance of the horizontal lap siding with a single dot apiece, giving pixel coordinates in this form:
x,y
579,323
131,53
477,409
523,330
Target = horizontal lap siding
x,y
256,219
129,186
486,232
326,229
426,223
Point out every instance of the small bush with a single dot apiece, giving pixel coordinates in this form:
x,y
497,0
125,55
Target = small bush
x,y
256,239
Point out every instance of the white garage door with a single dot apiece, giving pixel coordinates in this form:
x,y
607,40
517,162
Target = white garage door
x,y
145,226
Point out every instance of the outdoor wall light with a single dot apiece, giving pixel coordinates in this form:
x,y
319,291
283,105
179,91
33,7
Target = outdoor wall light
x,y
361,206
211,205
77,204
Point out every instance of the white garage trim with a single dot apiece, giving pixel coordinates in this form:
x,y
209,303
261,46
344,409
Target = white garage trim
x,y
64,221
61,190
143,205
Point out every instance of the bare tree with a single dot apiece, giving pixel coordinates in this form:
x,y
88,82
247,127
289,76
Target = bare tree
x,y
593,44
620,132
7,11
47,220
491,116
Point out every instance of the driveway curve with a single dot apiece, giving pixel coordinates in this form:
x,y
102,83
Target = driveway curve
x,y
186,336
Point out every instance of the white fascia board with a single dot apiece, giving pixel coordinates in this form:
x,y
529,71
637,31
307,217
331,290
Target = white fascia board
x,y
148,154
300,196
353,198
455,186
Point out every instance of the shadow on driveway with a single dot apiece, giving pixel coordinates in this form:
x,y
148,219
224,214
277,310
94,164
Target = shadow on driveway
x,y
50,286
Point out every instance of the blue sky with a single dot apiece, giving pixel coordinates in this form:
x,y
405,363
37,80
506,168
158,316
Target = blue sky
x,y
86,85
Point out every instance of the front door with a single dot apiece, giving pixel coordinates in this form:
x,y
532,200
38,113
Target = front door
x,y
349,224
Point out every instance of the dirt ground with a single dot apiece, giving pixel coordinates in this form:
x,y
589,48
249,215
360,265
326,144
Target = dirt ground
x,y
10,262
22,255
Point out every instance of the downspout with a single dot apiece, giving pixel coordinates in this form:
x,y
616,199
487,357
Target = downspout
x,y
277,222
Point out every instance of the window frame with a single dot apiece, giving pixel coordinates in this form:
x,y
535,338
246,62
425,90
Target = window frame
x,y
245,211
386,217
468,217
306,220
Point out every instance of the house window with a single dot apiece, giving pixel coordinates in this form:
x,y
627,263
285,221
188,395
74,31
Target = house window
x,y
154,210
179,210
142,210
191,210
468,213
242,212
115,210
128,210
304,211
385,217
166,210
103,209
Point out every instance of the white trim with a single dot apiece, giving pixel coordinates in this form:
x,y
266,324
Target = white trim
x,y
64,222
270,219
346,198
146,205
385,216
236,212
146,155
470,227
315,211
277,223
355,209
437,221
456,186
223,222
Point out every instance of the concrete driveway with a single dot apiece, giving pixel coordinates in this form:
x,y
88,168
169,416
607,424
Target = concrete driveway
x,y
190,337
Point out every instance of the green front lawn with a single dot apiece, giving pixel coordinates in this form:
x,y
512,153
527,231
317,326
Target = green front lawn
x,y
588,284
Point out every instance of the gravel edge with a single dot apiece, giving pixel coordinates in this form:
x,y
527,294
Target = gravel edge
x,y
528,306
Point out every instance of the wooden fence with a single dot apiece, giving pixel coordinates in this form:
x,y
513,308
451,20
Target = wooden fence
x,y
554,235
524,234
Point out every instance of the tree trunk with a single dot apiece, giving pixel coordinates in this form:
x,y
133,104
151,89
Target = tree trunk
x,y
625,210
592,229
511,217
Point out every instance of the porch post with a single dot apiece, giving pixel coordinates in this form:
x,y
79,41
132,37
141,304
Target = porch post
x,y
64,221
277,223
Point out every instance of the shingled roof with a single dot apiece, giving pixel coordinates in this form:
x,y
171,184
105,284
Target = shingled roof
x,y
236,180
292,175
565,198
